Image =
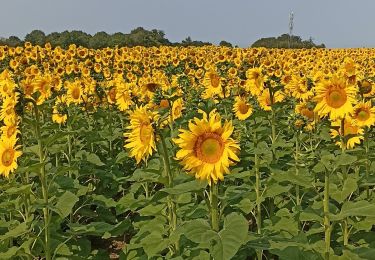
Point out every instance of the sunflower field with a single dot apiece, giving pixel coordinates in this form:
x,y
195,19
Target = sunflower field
x,y
186,153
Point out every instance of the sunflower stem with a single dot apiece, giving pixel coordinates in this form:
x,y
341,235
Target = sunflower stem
x,y
367,148
214,207
258,195
298,199
171,205
43,180
345,228
327,223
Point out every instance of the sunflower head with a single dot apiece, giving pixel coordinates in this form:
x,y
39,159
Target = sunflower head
x,y
206,149
9,154
364,114
140,137
335,98
242,108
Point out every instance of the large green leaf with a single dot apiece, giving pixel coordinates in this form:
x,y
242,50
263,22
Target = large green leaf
x,y
350,185
225,244
65,204
360,208
190,186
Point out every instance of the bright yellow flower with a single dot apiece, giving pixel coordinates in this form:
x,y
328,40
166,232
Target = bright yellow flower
x,y
140,138
335,98
351,133
9,155
177,107
265,100
364,114
242,108
206,149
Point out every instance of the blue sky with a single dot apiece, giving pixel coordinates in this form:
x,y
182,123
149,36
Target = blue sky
x,y
337,23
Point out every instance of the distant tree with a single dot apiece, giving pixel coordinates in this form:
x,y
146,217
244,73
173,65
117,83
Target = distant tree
x,y
13,41
189,42
36,37
99,40
226,44
286,41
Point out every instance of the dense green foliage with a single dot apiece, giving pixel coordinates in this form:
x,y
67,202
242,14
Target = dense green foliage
x,y
141,37
286,41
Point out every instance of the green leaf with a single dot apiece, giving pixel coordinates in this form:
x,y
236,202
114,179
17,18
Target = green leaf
x,y
94,159
345,159
191,186
195,229
66,203
154,243
15,232
350,185
360,208
10,253
225,244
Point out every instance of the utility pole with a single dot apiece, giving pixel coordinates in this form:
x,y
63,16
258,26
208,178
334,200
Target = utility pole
x,y
291,25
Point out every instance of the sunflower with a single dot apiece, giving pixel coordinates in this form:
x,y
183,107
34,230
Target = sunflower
x,y
335,97
8,113
8,155
140,138
177,107
366,88
351,133
43,84
206,149
123,95
265,101
299,88
58,114
74,92
242,108
212,83
10,130
255,81
364,114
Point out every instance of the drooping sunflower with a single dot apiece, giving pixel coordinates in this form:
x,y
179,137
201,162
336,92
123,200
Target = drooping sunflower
x,y
351,133
364,114
177,107
206,149
242,108
140,138
335,98
9,154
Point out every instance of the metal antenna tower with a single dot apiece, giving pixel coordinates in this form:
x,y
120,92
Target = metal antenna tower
x,y
291,25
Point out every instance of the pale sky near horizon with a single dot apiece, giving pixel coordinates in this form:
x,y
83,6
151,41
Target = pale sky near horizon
x,y
337,23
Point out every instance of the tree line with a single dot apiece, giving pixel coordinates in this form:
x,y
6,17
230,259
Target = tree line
x,y
137,37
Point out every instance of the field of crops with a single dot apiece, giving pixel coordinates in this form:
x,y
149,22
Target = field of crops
x,y
186,153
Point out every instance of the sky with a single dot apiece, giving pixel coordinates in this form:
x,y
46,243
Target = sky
x,y
336,23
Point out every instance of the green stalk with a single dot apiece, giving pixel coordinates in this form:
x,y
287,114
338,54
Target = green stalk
x,y
214,209
172,214
43,180
345,228
327,223
367,149
298,199
258,195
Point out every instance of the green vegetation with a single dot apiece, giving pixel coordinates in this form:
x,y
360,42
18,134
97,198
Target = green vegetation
x,y
286,41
